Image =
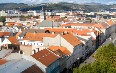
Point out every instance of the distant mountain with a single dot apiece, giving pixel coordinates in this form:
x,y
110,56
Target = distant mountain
x,y
56,6
4,6
93,3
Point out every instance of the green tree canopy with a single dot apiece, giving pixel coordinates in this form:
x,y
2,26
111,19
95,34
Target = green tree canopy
x,y
105,61
2,19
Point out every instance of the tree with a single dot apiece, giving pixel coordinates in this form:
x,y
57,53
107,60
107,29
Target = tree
x,y
89,19
3,19
105,61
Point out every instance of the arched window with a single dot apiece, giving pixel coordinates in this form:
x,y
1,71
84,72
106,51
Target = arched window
x,y
47,31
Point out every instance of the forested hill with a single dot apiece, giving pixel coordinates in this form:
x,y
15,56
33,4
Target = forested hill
x,y
56,6
5,6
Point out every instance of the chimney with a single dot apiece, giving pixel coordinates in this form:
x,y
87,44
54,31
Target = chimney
x,y
53,32
65,32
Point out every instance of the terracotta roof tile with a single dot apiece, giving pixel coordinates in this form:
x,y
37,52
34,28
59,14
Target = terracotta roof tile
x,y
105,25
1,34
33,69
46,57
37,36
5,33
61,48
59,29
99,26
110,22
13,40
11,23
71,39
83,32
19,24
78,24
2,61
74,31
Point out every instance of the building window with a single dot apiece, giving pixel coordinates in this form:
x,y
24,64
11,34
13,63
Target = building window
x,y
34,51
38,49
21,42
21,52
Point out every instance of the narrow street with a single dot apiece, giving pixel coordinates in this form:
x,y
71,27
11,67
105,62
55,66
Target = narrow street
x,y
91,59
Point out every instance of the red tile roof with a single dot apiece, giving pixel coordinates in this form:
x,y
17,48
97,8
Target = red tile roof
x,y
59,29
61,48
110,22
33,69
37,36
19,24
78,24
71,39
13,40
1,34
11,23
83,32
18,34
99,26
2,61
5,33
46,57
53,18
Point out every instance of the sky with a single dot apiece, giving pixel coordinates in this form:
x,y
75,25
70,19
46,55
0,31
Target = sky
x,y
55,1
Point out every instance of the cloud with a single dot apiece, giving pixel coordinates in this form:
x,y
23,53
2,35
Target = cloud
x,y
113,2
33,1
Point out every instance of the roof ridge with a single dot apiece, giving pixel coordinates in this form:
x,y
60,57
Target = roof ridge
x,y
53,52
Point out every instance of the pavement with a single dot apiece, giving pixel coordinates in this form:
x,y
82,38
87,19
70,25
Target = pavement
x,y
91,59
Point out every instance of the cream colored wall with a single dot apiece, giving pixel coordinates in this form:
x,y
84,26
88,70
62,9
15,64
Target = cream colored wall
x,y
48,41
57,41
26,49
67,45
